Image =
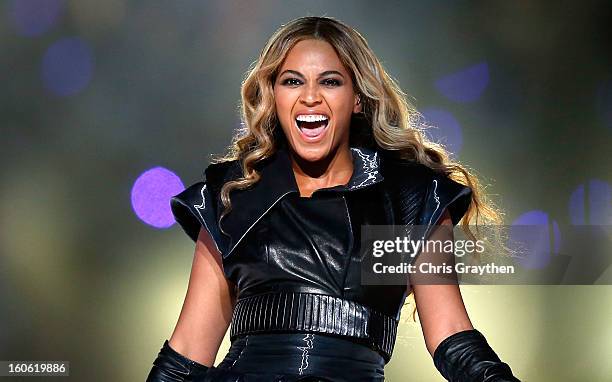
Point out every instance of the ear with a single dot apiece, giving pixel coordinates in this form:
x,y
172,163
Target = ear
x,y
358,105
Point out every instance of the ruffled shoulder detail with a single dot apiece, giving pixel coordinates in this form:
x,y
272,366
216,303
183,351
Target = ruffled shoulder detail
x,y
199,205
420,195
445,193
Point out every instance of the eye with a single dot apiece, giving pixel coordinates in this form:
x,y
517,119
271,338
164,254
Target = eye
x,y
291,82
331,82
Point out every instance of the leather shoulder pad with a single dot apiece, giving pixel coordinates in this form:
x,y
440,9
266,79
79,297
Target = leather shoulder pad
x,y
217,174
199,205
420,195
407,184
445,193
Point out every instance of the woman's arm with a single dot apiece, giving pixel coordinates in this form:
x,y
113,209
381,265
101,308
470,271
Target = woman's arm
x,y
208,306
460,352
440,307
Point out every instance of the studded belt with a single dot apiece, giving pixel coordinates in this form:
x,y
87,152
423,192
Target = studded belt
x,y
308,312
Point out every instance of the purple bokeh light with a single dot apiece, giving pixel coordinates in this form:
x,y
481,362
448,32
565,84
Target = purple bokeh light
x,y
34,17
446,129
596,199
67,66
530,234
576,206
465,85
151,195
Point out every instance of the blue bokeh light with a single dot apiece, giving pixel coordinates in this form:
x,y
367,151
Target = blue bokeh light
x,y
466,85
591,205
34,17
446,129
534,243
67,66
151,195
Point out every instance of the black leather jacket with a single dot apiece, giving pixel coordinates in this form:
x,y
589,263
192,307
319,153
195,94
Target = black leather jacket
x,y
296,261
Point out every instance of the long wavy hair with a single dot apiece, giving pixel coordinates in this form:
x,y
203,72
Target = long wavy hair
x,y
387,121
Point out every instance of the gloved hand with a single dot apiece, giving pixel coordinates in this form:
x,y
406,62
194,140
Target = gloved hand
x,y
467,357
171,366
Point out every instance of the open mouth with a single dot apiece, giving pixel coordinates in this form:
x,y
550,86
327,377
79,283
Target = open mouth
x,y
312,126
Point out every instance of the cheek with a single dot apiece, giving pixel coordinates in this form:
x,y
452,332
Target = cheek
x,y
342,99
343,107
284,105
280,99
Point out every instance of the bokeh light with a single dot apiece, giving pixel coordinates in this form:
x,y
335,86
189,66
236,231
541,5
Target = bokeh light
x,y
34,17
531,234
465,85
151,195
600,202
67,66
446,129
596,200
162,84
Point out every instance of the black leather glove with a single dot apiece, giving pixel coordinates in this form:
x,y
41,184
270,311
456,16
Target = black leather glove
x,y
171,366
467,357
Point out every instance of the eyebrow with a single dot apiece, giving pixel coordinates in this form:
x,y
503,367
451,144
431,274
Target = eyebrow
x,y
322,74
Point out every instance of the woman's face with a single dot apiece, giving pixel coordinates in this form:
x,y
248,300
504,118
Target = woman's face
x,y
315,99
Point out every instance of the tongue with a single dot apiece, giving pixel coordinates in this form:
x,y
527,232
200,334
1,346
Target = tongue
x,y
312,129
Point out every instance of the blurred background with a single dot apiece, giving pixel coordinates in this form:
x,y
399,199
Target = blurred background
x,y
108,108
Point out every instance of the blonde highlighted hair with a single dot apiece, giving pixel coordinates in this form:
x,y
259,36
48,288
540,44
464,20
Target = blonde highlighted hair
x,y
388,121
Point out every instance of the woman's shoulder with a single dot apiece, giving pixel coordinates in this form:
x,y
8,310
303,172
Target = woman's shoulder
x,y
402,170
221,170
414,184
399,170
218,173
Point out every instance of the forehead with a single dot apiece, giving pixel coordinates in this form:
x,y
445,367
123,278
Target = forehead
x,y
314,54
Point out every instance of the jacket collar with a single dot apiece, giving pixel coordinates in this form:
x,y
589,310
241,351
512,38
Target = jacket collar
x,y
278,180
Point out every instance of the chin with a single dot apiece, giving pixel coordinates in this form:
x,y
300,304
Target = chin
x,y
311,154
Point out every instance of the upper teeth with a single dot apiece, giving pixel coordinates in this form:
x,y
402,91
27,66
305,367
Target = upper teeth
x,y
311,117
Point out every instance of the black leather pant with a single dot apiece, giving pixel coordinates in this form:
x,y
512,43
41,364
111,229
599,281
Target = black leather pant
x,y
297,357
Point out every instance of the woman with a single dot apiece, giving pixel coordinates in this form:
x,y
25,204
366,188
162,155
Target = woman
x,y
329,146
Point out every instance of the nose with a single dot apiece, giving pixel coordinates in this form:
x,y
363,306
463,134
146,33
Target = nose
x,y
310,94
